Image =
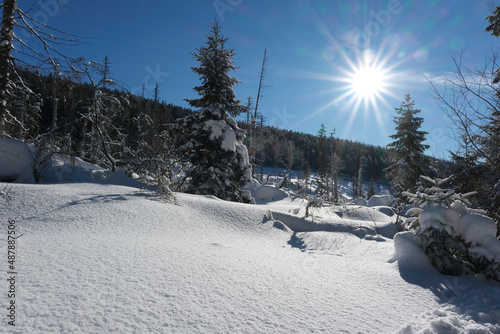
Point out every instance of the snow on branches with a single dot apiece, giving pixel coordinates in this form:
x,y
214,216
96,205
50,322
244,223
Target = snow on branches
x,y
458,240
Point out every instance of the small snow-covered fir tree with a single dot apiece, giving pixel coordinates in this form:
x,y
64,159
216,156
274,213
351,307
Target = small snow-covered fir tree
x,y
458,240
219,163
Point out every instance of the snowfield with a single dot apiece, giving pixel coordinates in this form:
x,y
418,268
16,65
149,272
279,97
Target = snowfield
x,y
104,258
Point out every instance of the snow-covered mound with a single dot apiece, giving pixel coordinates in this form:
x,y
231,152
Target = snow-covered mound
x,y
359,221
268,192
380,200
67,169
16,161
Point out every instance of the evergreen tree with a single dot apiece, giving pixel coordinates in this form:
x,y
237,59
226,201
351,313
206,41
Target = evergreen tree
x,y
219,163
494,29
408,148
217,85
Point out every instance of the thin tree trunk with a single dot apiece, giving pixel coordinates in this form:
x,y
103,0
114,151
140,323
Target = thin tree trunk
x,y
262,76
6,37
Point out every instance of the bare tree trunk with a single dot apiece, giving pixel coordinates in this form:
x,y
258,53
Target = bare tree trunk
x,y
6,37
263,74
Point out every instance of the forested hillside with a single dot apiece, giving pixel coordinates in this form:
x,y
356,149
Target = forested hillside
x,y
63,113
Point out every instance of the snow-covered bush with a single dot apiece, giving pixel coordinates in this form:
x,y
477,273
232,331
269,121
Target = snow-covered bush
x,y
432,196
314,202
4,193
164,187
457,239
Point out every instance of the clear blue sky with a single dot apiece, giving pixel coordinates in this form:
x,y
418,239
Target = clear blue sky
x,y
312,48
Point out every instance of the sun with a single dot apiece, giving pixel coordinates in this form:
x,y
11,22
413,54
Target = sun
x,y
367,82
361,84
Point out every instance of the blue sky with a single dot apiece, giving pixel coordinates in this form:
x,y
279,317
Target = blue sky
x,y
313,47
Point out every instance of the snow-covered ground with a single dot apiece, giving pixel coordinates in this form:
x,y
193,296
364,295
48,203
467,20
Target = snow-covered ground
x,y
100,256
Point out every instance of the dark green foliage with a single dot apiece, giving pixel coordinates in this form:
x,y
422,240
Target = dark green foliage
x,y
218,161
213,170
494,29
408,149
217,85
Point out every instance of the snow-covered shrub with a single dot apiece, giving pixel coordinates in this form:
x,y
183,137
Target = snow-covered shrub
x,y
164,187
457,239
47,146
432,196
4,193
314,202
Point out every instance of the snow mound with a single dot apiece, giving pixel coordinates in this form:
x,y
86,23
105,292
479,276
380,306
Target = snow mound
x,y
340,244
75,170
268,192
359,221
16,161
360,201
410,255
379,200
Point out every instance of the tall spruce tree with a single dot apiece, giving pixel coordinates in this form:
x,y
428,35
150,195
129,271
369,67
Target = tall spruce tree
x,y
219,163
217,85
407,149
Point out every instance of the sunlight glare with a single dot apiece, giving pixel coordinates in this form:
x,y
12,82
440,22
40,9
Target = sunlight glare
x,y
367,81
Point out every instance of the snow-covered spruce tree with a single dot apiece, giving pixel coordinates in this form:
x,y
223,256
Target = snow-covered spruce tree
x,y
407,150
458,240
219,163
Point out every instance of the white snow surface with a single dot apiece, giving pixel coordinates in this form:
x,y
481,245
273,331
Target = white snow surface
x,y
99,257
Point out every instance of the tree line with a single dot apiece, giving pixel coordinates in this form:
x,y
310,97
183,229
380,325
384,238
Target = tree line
x,y
59,106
